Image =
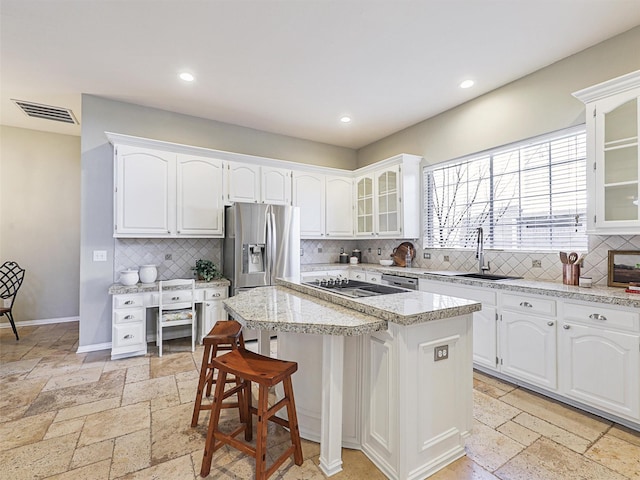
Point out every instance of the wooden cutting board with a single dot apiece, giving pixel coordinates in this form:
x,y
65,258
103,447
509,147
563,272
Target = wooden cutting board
x,y
400,253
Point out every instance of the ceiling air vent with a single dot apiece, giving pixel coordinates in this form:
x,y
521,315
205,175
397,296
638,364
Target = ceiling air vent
x,y
46,112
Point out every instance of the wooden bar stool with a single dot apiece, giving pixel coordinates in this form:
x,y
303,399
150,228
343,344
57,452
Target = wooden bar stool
x,y
266,372
225,335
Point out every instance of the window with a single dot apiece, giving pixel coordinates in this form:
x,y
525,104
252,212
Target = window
x,y
529,195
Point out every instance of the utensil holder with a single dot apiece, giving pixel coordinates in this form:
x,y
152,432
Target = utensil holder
x,y
571,274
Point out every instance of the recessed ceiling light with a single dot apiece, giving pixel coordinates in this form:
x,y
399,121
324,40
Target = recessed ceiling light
x,y
187,77
467,84
345,119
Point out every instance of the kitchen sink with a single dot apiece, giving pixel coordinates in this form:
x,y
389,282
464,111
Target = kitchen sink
x,y
487,276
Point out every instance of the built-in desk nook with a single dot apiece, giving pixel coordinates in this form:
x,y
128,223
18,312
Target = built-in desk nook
x,y
130,333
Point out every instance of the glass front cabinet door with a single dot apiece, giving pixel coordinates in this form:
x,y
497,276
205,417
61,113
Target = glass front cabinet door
x,y
613,121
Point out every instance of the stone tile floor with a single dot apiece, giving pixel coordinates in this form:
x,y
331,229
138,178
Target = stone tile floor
x,y
65,415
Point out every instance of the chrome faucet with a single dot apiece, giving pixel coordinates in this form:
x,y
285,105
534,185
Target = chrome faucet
x,y
480,253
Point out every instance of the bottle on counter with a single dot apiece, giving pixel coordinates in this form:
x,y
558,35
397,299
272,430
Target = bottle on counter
x,y
407,258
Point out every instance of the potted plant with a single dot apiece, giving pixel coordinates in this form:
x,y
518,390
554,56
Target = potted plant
x,y
206,270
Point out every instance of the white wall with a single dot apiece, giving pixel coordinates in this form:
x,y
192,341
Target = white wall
x,y
40,220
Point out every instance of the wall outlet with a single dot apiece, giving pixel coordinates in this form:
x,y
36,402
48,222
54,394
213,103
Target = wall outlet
x,y
379,251
319,249
369,250
302,252
99,255
446,258
341,250
167,256
536,263
441,353
426,256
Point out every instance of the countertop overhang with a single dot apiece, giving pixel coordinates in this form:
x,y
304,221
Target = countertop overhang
x,y
293,307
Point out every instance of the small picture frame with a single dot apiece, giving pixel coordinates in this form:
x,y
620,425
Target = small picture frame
x,y
624,267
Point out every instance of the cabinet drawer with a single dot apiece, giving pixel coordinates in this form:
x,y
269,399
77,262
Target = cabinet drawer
x,y
596,315
128,301
532,305
128,335
177,296
358,275
125,315
373,277
215,294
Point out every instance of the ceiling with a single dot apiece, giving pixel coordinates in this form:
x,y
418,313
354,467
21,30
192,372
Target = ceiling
x,y
292,67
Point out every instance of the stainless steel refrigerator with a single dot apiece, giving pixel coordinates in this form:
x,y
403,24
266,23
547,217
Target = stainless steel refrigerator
x,y
262,243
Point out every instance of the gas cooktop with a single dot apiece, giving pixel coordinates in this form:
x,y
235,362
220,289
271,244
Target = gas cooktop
x,y
354,288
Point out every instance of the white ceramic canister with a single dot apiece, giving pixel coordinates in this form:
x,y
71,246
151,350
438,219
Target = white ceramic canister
x,y
129,277
148,273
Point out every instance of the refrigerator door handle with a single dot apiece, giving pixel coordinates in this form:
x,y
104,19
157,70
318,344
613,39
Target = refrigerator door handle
x,y
271,244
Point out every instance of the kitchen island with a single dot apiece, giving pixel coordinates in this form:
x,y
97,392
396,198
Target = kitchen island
x,y
400,366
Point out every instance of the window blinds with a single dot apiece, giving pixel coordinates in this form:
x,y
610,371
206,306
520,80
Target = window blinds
x,y
527,196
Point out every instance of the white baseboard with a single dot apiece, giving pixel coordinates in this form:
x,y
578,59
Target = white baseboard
x,y
94,347
44,321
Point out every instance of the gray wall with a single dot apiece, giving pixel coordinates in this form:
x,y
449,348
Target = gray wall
x,y
40,220
100,115
536,104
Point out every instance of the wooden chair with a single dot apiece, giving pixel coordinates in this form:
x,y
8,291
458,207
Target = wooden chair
x,y
225,335
11,277
176,308
266,372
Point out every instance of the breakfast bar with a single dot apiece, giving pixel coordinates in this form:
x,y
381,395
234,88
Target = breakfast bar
x,y
398,366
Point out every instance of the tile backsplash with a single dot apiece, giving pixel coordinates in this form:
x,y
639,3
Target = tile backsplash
x,y
173,257
530,265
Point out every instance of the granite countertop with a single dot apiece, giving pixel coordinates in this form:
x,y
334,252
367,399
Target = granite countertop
x,y
605,295
119,289
293,307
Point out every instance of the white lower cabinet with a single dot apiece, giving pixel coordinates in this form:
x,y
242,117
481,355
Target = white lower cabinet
x,y
599,359
128,326
582,352
212,309
528,348
527,343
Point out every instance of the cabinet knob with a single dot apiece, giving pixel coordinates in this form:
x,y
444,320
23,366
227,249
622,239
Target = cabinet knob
x,y
597,316
175,298
129,302
128,336
550,324
566,327
526,305
216,294
128,317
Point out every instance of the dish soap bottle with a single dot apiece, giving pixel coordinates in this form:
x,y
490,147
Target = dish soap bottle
x,y
407,258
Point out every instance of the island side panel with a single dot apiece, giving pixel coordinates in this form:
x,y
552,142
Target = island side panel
x,y
418,411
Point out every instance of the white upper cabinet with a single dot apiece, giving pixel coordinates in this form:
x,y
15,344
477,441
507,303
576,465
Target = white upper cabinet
x,y
387,199
258,184
276,186
164,194
145,193
309,196
339,207
613,126
325,203
200,206
243,182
